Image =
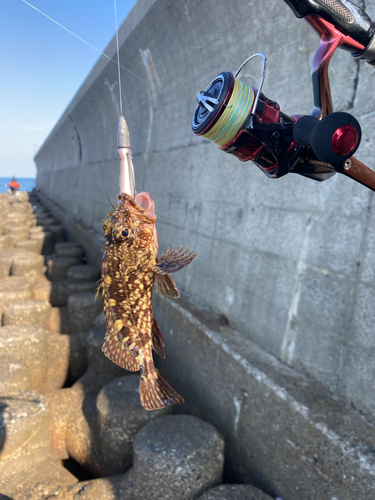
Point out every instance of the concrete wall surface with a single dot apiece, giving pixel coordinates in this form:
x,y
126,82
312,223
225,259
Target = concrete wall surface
x,y
289,262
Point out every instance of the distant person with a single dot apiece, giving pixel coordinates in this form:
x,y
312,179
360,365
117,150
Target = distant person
x,y
14,185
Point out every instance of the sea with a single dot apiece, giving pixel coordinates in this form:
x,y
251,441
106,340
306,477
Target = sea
x,y
27,183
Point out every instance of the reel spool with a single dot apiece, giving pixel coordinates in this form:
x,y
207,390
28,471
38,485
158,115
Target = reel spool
x,y
223,113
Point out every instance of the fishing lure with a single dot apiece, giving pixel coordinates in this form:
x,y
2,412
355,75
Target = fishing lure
x,y
130,269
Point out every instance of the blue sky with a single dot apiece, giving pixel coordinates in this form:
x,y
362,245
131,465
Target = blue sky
x,y
42,66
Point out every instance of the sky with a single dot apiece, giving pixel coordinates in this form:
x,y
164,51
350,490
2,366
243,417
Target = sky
x,y
42,66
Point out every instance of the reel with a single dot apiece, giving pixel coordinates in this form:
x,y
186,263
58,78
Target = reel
x,y
243,122
223,113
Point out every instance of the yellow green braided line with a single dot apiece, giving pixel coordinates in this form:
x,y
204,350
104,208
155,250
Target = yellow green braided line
x,y
234,115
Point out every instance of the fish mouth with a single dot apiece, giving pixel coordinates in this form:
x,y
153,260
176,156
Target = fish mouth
x,y
146,201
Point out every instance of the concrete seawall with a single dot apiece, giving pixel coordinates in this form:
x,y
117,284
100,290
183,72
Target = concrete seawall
x,y
290,263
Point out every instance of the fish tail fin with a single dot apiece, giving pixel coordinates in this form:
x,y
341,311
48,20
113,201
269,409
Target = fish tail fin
x,y
156,393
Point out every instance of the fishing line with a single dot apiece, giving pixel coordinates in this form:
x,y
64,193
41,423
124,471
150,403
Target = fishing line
x,y
234,115
105,55
118,60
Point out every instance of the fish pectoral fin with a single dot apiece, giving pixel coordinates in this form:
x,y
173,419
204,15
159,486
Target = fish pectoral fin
x,y
157,340
166,286
156,393
173,260
120,355
97,291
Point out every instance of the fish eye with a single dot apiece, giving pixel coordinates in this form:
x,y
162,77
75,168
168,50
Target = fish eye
x,y
125,233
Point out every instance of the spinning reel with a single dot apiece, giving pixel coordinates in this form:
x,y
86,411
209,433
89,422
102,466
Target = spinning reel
x,y
243,122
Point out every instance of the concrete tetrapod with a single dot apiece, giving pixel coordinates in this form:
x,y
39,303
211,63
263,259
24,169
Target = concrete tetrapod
x,y
66,244
177,457
13,288
44,241
82,311
14,376
72,252
30,245
27,264
29,344
102,428
5,242
120,416
235,492
6,259
57,232
78,274
28,312
181,457
25,459
57,267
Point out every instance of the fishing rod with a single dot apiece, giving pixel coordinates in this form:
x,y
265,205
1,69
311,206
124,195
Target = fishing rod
x,y
243,122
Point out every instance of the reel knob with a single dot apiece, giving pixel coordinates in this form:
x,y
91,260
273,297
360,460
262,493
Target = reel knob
x,y
333,139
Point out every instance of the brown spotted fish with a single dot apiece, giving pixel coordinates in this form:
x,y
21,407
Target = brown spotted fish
x,y
130,268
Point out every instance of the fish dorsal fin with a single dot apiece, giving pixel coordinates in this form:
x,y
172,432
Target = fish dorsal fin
x,y
174,260
166,286
157,340
119,355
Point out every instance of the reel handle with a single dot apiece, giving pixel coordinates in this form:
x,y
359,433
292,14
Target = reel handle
x,y
333,139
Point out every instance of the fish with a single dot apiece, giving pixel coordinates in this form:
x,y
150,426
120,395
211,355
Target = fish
x,y
130,269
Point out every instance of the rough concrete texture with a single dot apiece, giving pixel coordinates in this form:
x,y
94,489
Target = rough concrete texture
x,y
25,459
58,354
283,433
25,422
13,288
30,245
17,228
80,273
29,344
66,244
28,312
14,375
101,427
27,264
41,289
6,259
36,229
5,242
235,492
178,457
101,370
83,308
57,232
46,221
59,293
59,320
44,240
83,287
159,449
62,404
57,267
290,246
70,252
77,358
120,416
41,477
